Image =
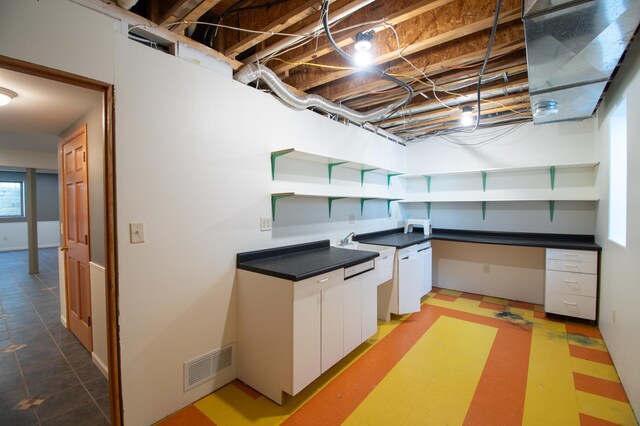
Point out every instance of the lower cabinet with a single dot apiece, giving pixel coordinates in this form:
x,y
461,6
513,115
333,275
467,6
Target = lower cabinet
x,y
571,283
289,333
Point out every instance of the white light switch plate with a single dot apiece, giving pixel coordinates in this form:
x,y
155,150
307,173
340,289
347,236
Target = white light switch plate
x,y
265,224
136,233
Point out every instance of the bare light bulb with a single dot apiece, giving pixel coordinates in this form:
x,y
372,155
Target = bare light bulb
x,y
466,118
362,58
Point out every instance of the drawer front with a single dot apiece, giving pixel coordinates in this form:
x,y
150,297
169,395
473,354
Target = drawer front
x,y
572,266
318,283
573,255
571,283
384,266
571,305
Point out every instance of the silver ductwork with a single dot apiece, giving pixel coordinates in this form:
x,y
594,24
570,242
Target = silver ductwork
x,y
253,72
573,47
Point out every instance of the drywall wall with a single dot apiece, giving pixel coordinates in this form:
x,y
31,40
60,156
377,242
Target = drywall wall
x,y
619,316
193,165
46,195
95,169
13,235
28,151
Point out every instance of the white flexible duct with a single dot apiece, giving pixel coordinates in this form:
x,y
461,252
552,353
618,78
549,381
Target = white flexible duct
x,y
126,4
253,72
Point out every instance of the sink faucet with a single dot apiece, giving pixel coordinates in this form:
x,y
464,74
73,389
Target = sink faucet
x,y
345,240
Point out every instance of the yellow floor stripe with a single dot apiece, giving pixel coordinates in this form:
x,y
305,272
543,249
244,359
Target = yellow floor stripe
x,y
448,292
605,408
550,389
595,369
418,390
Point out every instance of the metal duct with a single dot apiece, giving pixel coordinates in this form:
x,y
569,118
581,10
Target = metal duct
x,y
253,72
126,4
573,47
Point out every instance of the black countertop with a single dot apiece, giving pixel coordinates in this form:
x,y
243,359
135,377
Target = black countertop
x,y
301,261
397,238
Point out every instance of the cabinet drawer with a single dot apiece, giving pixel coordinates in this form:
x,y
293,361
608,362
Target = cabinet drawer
x,y
571,283
318,283
573,255
571,305
572,266
384,265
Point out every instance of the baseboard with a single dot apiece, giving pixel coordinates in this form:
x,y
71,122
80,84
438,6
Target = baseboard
x,y
26,248
101,365
63,320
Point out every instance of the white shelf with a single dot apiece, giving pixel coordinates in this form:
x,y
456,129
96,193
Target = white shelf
x,y
499,170
491,199
330,162
275,196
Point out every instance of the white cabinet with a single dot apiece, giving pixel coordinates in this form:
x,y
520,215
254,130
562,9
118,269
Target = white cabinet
x,y
425,251
409,282
291,332
571,283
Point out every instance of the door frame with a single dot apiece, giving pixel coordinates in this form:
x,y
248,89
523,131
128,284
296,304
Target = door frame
x,y
111,238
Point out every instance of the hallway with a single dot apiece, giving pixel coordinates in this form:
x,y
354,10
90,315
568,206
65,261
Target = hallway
x,y
48,377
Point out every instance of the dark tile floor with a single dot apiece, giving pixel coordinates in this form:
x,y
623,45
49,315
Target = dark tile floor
x,y
46,375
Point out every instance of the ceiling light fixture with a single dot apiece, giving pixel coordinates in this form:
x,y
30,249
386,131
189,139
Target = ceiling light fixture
x,y
545,108
362,55
466,118
6,96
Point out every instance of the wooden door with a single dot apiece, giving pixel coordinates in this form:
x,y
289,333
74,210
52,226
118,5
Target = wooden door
x,y
75,226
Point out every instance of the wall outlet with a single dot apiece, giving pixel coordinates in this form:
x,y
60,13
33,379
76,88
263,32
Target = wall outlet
x,y
487,268
136,233
352,219
265,224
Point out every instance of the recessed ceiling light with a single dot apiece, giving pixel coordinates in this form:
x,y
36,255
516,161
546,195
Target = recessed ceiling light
x,y
6,96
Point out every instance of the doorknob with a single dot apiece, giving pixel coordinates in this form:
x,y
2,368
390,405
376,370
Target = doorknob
x,y
64,248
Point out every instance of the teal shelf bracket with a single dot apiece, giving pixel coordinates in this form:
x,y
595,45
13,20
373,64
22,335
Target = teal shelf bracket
x,y
552,173
428,178
274,199
362,200
331,200
428,209
362,172
389,176
330,166
552,206
484,181
484,210
275,155
389,207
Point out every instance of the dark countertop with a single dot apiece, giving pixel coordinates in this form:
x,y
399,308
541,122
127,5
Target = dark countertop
x,y
397,238
301,261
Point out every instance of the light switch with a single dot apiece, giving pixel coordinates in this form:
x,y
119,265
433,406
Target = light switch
x,y
136,233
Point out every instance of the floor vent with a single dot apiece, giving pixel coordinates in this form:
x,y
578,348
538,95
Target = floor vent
x,y
205,367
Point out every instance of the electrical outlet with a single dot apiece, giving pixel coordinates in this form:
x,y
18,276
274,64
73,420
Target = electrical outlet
x,y
487,268
265,224
136,233
352,219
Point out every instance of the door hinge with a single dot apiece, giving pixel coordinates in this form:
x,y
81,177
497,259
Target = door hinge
x,y
89,321
86,239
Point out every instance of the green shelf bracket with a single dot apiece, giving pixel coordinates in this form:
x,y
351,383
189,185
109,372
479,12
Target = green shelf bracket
x,y
484,210
552,173
389,207
428,179
362,172
428,209
389,176
362,200
484,181
330,166
274,199
331,200
552,206
275,155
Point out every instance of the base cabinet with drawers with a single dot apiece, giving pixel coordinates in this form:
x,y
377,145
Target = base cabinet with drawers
x,y
571,283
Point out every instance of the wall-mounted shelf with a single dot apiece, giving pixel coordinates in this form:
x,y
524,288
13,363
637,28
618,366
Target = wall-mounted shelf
x,y
332,162
330,199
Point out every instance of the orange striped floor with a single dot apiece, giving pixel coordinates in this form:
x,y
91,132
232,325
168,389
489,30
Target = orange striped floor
x,y
463,359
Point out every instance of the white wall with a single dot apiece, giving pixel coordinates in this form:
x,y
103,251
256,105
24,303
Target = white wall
x,y
28,151
192,165
13,235
619,282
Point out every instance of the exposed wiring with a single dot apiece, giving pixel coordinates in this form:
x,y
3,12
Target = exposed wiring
x,y
217,25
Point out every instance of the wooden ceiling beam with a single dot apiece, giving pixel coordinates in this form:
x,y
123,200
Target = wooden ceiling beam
x,y
436,68
416,47
306,9
344,11
405,14
177,11
194,14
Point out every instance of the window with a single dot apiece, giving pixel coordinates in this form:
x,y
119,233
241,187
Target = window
x,y
618,175
11,199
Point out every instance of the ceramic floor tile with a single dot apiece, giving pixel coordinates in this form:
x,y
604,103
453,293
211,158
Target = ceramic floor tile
x,y
63,402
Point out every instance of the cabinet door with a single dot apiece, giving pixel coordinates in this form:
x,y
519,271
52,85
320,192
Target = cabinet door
x,y
369,305
352,313
332,328
306,341
410,276
427,255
